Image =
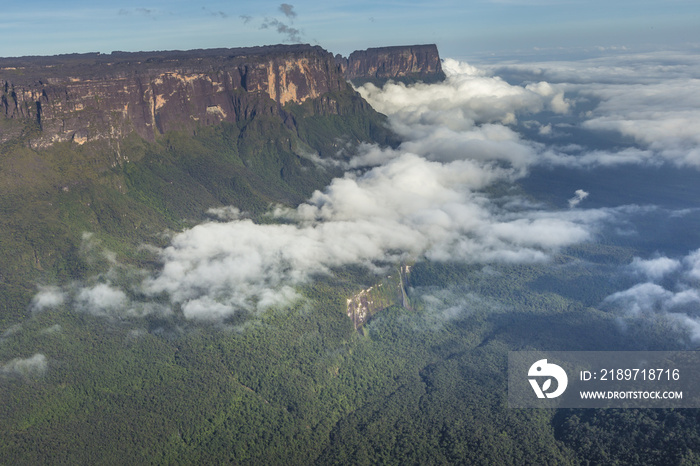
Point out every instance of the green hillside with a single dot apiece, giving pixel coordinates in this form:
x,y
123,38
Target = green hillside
x,y
129,192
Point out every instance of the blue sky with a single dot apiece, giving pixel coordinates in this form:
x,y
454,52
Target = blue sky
x,y
460,28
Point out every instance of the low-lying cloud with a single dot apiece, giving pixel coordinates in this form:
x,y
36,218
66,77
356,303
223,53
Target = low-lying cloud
x,y
671,291
467,97
652,99
33,366
408,208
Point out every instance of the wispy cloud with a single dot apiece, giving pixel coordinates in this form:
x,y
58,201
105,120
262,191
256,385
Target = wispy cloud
x,y
150,13
33,366
218,13
579,196
292,34
288,10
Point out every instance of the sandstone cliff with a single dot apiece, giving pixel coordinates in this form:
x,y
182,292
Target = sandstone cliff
x,y
85,97
401,63
94,96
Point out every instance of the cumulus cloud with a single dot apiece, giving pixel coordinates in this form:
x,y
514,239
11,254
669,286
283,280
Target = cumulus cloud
x,y
467,98
100,299
115,292
692,264
671,292
655,269
48,297
407,208
33,366
579,195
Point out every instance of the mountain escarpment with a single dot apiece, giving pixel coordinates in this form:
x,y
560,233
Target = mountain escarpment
x,y
401,63
128,145
93,96
85,97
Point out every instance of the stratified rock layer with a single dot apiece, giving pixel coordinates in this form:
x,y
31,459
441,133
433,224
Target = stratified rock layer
x,y
84,97
401,63
93,96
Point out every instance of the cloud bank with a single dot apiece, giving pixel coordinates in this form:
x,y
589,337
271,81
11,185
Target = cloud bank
x,y
650,99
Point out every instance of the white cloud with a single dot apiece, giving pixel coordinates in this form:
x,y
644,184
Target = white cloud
x,y
662,117
409,207
101,299
445,304
677,301
467,98
692,263
655,269
641,298
579,195
48,297
33,366
653,99
225,213
56,328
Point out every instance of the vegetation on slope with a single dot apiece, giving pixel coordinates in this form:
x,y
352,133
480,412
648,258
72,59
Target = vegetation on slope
x,y
297,385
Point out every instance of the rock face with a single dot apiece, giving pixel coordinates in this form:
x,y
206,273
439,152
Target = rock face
x,y
402,63
84,97
391,291
93,96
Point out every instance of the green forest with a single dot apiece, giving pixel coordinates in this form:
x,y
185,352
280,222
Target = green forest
x,y
422,384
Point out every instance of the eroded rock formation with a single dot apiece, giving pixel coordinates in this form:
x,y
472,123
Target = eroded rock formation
x,y
93,96
84,97
401,63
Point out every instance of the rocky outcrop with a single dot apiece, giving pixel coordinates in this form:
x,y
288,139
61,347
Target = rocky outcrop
x,y
401,63
93,96
391,291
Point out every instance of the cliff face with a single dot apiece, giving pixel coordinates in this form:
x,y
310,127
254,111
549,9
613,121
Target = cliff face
x,y
391,291
93,96
402,63
84,97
